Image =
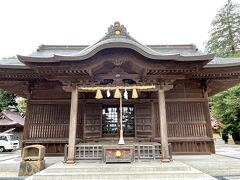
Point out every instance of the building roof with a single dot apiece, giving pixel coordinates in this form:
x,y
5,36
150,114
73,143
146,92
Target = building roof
x,y
8,118
51,50
117,36
218,60
15,63
145,63
216,123
221,62
11,62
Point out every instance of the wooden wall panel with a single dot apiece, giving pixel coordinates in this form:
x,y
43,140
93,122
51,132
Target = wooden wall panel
x,y
49,91
52,121
189,128
48,124
186,119
185,89
193,147
93,121
143,116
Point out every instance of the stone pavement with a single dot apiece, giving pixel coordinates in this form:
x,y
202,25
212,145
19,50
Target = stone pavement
x,y
225,164
228,150
97,170
9,155
218,166
9,163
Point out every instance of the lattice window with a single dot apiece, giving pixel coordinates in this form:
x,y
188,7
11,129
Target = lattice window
x,y
111,122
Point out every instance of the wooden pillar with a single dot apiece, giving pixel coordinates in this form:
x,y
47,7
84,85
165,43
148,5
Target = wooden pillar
x,y
163,125
26,129
72,126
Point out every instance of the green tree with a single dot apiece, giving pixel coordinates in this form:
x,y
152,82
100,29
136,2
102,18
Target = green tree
x,y
21,105
226,107
225,32
225,42
6,99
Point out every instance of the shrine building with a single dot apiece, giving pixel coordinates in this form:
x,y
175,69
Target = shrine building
x,y
119,88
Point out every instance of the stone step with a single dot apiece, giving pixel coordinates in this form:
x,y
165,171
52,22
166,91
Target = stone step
x,y
101,167
123,175
118,178
116,169
138,170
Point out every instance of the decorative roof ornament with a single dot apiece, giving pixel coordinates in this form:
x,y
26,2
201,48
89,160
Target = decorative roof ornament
x,y
117,31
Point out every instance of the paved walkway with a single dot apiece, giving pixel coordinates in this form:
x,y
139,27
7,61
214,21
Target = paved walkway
x,y
9,155
228,150
225,164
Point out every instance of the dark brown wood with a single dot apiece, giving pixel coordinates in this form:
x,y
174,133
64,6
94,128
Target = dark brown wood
x,y
186,116
143,120
92,121
118,153
187,111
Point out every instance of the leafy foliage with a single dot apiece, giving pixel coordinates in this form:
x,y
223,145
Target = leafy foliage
x,y
225,42
225,32
21,105
226,106
6,99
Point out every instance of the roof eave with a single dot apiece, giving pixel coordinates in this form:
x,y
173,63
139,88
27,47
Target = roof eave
x,y
14,67
88,54
221,65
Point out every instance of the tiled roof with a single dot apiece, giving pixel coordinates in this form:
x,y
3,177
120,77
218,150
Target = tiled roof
x,y
218,60
11,62
48,51
10,118
63,50
117,36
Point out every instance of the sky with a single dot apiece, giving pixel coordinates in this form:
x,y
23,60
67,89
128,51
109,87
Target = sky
x,y
26,24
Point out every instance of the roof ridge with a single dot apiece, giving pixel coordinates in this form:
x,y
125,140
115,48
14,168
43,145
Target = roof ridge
x,y
49,47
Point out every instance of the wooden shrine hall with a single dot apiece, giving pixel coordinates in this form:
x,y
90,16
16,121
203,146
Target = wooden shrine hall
x,y
119,88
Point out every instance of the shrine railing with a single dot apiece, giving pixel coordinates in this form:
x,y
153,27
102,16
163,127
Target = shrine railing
x,y
95,152
142,151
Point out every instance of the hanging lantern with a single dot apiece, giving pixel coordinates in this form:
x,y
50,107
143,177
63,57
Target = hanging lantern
x,y
134,94
108,93
99,94
125,94
117,94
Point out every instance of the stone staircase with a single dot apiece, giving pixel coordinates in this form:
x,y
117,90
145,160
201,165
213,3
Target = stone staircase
x,y
136,170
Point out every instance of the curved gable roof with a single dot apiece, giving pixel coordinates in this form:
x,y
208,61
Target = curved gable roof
x,y
118,37
11,118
